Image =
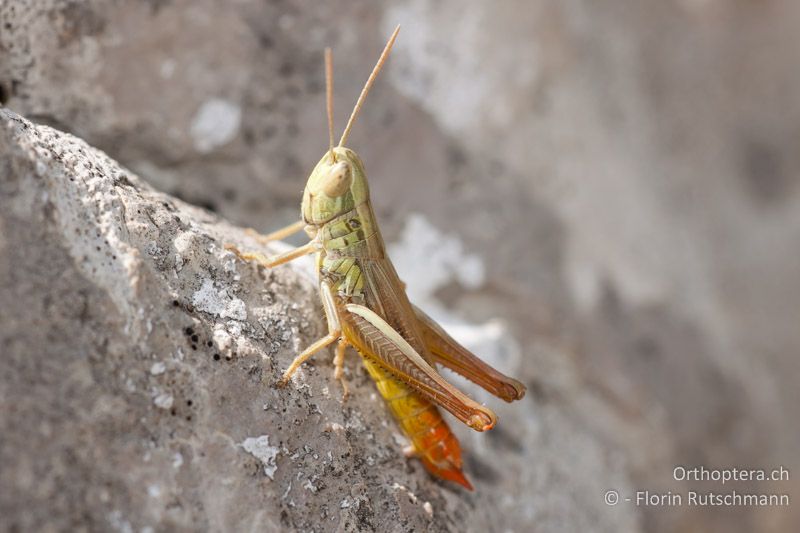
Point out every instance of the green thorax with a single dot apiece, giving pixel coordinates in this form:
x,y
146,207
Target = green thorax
x,y
347,241
336,203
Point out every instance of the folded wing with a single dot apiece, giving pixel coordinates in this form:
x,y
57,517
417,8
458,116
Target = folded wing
x,y
380,342
446,351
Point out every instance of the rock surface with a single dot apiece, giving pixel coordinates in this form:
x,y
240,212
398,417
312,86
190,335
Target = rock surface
x,y
603,195
140,360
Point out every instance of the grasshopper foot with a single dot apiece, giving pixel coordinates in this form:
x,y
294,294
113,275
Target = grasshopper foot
x,y
237,252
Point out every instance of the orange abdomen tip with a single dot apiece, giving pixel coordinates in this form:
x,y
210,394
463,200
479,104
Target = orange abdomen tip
x,y
449,474
438,449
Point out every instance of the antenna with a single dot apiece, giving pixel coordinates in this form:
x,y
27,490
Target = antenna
x,y
368,85
329,97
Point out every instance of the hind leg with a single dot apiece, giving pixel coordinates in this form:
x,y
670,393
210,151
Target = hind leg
x,y
338,363
330,338
334,334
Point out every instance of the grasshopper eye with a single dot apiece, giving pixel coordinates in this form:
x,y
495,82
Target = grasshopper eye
x,y
338,180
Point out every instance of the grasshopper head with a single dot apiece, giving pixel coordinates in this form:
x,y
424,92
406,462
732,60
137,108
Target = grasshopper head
x,y
336,185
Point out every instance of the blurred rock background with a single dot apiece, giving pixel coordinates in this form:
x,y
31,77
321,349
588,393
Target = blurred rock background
x,y
620,178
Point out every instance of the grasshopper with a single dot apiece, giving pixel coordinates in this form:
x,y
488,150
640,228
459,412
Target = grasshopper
x,y
366,307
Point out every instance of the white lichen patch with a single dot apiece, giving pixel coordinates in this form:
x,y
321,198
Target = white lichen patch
x,y
179,262
400,440
218,302
221,338
403,488
333,427
164,400
245,348
183,242
259,448
177,460
118,523
216,123
355,423
153,249
234,328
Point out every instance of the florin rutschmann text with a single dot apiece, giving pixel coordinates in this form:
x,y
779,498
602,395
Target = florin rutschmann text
x,y
749,497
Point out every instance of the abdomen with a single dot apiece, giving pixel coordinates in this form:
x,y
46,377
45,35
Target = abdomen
x,y
421,421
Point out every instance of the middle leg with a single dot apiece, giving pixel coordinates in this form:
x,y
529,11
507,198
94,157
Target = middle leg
x,y
330,338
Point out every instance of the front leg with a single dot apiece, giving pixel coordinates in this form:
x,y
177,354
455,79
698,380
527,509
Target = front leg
x,y
269,262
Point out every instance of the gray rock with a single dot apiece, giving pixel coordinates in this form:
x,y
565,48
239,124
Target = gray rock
x,y
140,362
